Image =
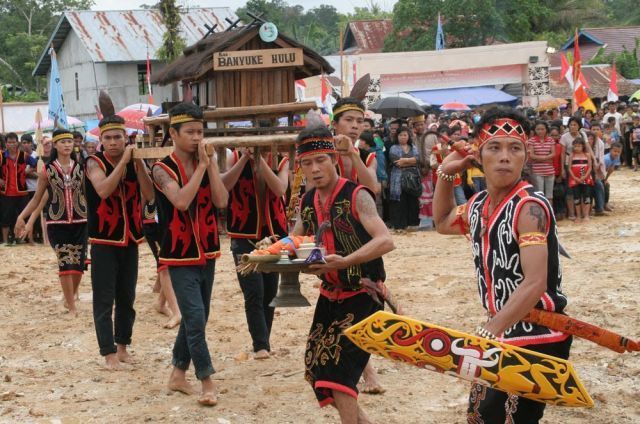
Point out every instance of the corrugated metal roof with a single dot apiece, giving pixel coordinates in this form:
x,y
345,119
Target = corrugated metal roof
x,y
612,39
367,36
125,35
598,78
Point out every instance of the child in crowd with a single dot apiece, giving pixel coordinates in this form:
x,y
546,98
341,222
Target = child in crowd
x,y
612,162
580,178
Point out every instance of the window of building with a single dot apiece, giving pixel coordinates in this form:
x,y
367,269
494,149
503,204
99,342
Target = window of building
x,y
142,80
77,88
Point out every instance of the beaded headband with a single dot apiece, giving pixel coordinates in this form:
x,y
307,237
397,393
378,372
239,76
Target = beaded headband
x,y
315,145
347,107
502,128
112,126
182,118
62,136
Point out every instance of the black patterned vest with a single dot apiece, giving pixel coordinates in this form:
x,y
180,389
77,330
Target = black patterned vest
x,y
246,216
117,219
497,260
345,236
67,203
187,237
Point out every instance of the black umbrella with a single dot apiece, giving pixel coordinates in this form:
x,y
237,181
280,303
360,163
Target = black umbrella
x,y
396,107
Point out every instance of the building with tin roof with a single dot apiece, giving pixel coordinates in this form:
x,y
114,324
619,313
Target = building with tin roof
x,y
107,50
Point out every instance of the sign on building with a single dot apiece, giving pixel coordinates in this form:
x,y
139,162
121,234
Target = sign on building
x,y
257,59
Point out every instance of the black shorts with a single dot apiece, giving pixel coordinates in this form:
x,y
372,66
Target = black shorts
x,y
152,235
487,405
636,149
69,241
332,361
582,193
10,208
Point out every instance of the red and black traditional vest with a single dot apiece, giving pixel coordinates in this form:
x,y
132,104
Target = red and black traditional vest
x,y
67,203
187,237
117,219
246,216
16,171
345,236
498,264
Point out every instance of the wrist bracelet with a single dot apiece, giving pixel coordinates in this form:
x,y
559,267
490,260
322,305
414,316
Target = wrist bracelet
x,y
441,175
482,332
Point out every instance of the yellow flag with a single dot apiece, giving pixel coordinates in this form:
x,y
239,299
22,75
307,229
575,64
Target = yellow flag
x,y
588,105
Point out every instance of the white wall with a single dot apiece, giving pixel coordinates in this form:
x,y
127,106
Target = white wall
x,y
120,80
18,117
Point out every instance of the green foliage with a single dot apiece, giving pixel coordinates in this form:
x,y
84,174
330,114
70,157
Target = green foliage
x,y
25,26
318,28
627,63
172,42
625,12
28,97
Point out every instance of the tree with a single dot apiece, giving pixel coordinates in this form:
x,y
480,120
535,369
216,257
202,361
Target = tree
x,y
172,42
465,22
627,63
25,26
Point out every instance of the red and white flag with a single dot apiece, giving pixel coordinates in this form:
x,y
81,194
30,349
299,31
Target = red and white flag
x,y
566,71
579,93
612,95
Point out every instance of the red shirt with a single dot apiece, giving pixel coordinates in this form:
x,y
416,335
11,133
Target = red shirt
x,y
558,158
14,173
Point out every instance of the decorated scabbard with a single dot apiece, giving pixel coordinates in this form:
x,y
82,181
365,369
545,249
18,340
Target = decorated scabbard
x,y
575,327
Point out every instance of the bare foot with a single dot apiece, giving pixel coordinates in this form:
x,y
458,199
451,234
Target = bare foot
x,y
208,396
208,399
371,384
73,312
262,354
178,383
162,309
173,322
112,363
124,356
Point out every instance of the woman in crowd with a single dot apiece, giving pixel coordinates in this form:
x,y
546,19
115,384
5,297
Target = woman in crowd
x,y
541,153
403,158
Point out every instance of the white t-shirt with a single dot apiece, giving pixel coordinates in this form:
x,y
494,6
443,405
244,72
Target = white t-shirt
x,y
616,115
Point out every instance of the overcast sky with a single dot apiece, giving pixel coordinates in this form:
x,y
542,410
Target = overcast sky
x,y
343,6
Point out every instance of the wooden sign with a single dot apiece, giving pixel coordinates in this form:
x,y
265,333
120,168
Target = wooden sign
x,y
257,59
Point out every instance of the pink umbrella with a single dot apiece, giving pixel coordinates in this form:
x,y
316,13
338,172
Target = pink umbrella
x,y
47,124
133,115
454,106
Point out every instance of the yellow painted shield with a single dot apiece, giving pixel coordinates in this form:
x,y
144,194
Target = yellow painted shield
x,y
512,369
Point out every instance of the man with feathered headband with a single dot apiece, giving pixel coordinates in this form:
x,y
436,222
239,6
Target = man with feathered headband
x,y
343,216
113,183
515,248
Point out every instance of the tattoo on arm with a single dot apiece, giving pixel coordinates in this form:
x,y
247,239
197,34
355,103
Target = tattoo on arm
x,y
365,205
537,213
161,177
92,165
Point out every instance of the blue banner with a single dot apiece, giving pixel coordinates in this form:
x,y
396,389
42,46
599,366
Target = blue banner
x,y
439,35
56,100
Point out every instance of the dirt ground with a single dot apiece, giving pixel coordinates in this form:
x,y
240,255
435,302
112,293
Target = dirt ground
x,y
50,370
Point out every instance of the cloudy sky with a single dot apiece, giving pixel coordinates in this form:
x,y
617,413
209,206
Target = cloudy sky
x,y
343,6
